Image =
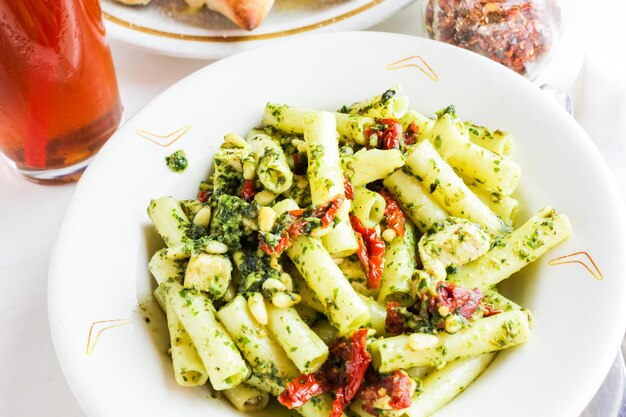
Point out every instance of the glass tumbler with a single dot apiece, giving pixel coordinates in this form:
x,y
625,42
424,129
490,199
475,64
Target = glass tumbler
x,y
59,100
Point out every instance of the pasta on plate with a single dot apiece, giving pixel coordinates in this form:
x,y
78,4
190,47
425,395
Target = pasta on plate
x,y
348,261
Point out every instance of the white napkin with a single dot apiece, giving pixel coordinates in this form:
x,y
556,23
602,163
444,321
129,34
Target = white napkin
x,y
599,87
600,105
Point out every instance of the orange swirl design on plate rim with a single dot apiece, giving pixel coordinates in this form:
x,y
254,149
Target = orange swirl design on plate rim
x,y
157,139
571,259
110,324
414,61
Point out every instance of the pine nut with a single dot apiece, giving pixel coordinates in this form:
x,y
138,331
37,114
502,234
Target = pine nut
x,y
389,235
249,169
230,293
202,217
453,323
272,285
215,247
265,197
419,341
256,304
266,219
285,299
285,278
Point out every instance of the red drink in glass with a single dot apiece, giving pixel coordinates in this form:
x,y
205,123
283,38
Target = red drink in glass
x,y
59,100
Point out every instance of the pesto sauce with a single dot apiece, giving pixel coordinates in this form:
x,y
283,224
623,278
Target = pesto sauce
x,y
387,95
177,161
255,269
227,225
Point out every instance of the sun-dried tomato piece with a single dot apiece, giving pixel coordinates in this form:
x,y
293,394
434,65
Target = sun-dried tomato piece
x,y
297,212
458,299
330,213
394,217
341,374
489,310
377,260
396,387
410,134
300,390
357,362
371,252
348,189
469,304
247,191
203,196
362,253
388,133
394,322
283,243
339,404
299,164
297,223
392,135
401,386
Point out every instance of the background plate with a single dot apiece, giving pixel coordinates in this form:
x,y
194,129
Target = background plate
x,y
167,27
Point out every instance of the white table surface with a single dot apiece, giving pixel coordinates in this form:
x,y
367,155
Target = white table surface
x,y
31,381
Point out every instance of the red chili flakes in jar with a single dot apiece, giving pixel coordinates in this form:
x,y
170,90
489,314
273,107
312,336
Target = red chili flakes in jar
x,y
516,33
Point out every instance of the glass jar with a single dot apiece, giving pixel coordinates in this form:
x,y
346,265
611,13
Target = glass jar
x,y
520,34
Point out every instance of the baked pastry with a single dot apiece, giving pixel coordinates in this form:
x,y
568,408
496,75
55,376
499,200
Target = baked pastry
x,y
247,14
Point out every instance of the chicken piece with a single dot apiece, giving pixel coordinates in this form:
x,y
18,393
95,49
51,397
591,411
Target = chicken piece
x,y
454,243
210,273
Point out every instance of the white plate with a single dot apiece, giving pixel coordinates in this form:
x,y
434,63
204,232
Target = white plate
x,y
167,27
98,271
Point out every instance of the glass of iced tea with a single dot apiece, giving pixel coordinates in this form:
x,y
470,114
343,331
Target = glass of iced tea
x,y
59,100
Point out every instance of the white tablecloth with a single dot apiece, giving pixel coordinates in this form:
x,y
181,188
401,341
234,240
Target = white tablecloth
x,y
31,381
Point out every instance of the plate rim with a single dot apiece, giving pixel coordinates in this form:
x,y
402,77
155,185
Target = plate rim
x,y
602,364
